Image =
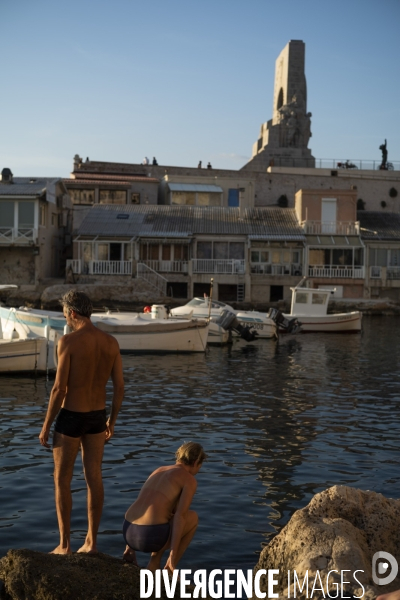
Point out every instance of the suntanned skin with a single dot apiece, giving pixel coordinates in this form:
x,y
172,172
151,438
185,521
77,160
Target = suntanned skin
x,y
390,596
87,358
166,496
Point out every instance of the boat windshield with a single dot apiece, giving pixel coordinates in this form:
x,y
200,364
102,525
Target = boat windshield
x,y
203,302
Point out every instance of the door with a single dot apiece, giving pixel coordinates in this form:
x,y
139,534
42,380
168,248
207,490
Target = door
x,y
328,215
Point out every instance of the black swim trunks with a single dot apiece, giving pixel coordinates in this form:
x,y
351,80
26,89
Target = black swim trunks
x,y
75,424
145,538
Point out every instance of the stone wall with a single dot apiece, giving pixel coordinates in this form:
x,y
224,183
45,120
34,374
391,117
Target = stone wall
x,y
17,265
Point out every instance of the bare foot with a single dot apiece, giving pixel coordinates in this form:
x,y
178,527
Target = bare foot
x,y
61,550
129,556
88,549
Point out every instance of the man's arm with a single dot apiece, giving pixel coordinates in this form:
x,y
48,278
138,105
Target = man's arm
x,y
117,378
58,392
178,522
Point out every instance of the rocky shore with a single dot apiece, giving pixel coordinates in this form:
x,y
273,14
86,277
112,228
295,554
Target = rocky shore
x,y
134,296
340,530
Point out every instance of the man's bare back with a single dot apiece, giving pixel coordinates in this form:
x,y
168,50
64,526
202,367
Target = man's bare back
x,y
91,354
159,496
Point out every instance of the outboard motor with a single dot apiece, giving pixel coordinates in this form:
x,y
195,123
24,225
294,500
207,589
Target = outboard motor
x,y
288,325
228,321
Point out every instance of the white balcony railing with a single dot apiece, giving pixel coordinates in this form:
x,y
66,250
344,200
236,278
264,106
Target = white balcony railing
x,y
110,267
269,269
207,265
393,273
336,271
331,227
167,266
75,264
10,235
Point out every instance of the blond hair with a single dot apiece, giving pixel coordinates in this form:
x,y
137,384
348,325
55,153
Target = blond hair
x,y
189,453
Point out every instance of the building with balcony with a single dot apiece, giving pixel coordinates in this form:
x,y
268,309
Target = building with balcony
x,y
380,233
35,220
252,254
335,254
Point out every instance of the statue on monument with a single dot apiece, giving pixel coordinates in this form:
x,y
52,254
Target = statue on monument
x,y
384,163
295,123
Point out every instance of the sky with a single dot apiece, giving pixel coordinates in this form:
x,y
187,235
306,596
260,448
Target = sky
x,y
118,80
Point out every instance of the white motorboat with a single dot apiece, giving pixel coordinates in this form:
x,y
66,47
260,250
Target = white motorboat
x,y
21,350
200,308
160,335
310,307
141,334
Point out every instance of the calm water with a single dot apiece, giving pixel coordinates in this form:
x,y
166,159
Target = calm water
x,y
280,421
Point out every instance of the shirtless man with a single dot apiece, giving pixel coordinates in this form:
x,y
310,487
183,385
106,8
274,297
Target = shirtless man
x,y
87,357
160,517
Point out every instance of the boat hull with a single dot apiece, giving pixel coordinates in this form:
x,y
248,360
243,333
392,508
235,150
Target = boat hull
x,y
335,323
18,356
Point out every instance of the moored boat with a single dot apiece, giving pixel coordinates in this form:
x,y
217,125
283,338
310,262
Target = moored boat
x,y
310,307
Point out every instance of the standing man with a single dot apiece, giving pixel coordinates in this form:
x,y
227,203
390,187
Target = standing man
x,y
87,358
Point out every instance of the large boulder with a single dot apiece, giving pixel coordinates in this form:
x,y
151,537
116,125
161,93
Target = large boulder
x,y
340,529
29,575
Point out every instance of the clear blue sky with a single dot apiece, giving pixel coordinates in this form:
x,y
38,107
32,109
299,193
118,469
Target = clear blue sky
x,y
117,80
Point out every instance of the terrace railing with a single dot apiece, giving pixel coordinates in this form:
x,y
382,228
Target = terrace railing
x,y
110,267
208,265
75,264
336,271
11,235
331,227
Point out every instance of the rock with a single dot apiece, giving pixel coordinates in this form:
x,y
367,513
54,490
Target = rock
x,y
29,575
341,528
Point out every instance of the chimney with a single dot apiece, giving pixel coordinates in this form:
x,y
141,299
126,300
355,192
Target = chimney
x,y
6,176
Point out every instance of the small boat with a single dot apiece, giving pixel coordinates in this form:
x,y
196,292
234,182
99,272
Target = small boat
x,y
161,335
139,334
310,307
261,322
21,350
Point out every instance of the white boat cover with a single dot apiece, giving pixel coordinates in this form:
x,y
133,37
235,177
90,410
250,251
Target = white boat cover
x,y
138,325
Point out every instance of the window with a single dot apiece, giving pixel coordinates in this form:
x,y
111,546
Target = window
x,y
26,215
196,198
102,251
394,258
221,250
181,252
166,252
53,219
112,197
301,298
6,214
135,198
204,249
236,250
319,298
81,196
87,251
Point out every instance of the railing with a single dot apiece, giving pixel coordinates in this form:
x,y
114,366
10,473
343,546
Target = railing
x,y
393,273
167,266
75,264
9,235
152,277
331,227
269,269
207,265
336,164
110,267
336,271
375,272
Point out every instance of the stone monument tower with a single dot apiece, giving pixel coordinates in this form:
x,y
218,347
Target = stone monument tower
x,y
284,139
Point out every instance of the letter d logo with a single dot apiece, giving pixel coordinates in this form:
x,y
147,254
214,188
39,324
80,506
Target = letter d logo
x,y
382,567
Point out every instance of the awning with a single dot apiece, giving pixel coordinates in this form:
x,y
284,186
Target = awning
x,y
194,187
165,239
335,241
284,237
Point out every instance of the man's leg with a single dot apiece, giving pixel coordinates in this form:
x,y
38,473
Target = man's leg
x,y
189,530
65,449
92,456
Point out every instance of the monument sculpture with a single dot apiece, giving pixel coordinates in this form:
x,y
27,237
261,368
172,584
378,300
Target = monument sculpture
x,y
283,140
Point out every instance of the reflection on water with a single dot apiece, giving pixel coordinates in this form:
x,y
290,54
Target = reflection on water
x,y
280,422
